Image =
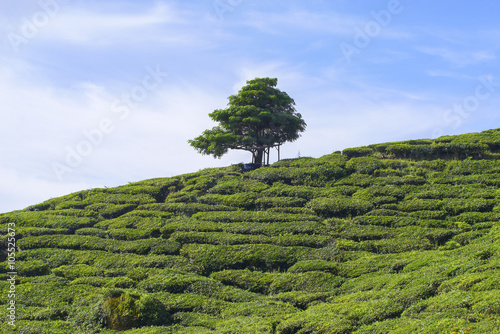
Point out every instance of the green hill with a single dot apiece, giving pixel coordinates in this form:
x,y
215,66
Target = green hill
x,y
390,238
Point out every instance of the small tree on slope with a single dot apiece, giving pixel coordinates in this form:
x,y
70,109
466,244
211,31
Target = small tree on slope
x,y
258,118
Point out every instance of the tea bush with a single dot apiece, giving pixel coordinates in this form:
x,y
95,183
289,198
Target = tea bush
x,y
361,242
339,207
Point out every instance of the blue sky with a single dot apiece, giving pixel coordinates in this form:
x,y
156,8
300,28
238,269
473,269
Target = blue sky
x,y
102,93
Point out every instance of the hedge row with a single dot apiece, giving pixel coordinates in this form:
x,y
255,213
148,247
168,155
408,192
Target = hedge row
x,y
269,229
213,258
274,283
222,238
252,216
86,242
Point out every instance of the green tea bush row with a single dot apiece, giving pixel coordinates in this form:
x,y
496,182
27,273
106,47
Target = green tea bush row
x,y
185,208
310,176
120,233
237,185
180,283
286,190
356,152
85,242
477,217
109,211
252,216
239,200
213,258
274,283
339,207
56,257
385,246
364,165
269,202
337,191
42,220
268,229
356,232
222,238
37,231
89,197
453,150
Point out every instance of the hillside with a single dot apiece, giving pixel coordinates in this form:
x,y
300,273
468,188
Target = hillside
x,y
389,238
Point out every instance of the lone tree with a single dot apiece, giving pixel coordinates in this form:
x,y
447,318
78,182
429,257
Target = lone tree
x,y
258,118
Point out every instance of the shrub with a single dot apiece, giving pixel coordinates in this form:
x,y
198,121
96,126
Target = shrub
x,y
96,232
252,216
109,211
259,257
32,268
365,165
245,279
179,283
185,208
309,281
49,220
356,179
339,207
269,202
72,272
132,233
118,310
357,152
269,229
389,221
318,175
428,214
283,190
457,206
420,205
237,185
314,265
240,200
477,217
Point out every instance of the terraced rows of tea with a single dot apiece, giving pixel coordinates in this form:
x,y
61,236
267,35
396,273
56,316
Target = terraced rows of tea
x,y
389,238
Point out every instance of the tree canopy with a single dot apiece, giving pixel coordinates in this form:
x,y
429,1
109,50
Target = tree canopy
x,y
258,118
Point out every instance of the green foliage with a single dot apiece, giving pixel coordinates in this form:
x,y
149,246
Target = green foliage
x,y
364,242
357,152
339,207
365,165
258,117
241,200
260,257
315,176
252,216
83,242
314,265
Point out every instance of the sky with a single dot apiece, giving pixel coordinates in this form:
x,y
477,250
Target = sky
x,y
104,93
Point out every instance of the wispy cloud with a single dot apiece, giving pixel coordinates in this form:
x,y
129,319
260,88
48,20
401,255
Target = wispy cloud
x,y
276,23
458,58
88,27
449,74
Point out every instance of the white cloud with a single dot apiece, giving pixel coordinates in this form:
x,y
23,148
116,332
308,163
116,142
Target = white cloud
x,y
449,74
458,58
93,27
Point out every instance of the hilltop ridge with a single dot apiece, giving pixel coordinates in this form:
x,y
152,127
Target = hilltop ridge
x,y
387,238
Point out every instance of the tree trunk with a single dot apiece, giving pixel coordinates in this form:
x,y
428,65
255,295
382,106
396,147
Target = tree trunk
x,y
258,157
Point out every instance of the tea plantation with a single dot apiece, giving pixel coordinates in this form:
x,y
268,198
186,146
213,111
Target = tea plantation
x,y
389,238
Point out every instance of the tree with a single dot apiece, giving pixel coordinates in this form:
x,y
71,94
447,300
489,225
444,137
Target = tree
x,y
258,118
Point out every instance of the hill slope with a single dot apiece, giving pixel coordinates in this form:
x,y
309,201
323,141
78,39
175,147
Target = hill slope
x,y
389,238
